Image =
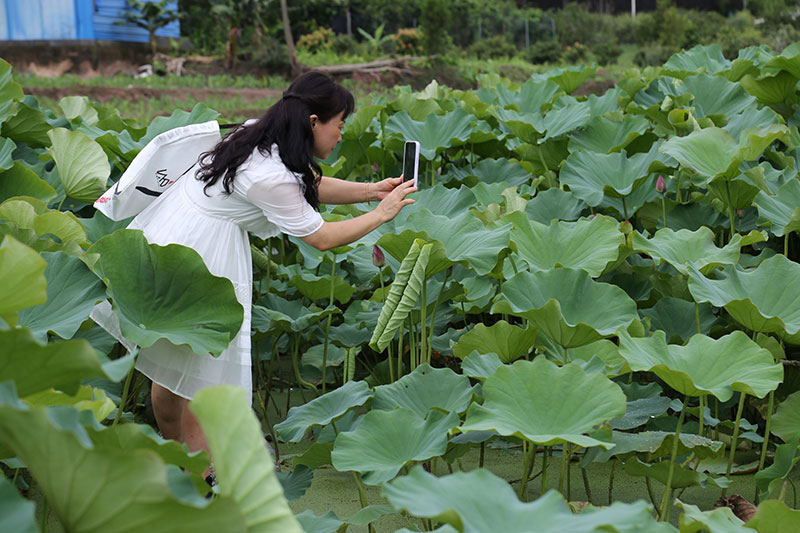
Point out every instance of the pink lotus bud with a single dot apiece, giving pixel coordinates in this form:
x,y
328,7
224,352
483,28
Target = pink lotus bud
x,y
661,185
375,167
740,213
378,259
626,227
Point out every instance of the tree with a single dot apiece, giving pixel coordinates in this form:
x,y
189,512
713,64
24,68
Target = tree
x,y
149,15
287,33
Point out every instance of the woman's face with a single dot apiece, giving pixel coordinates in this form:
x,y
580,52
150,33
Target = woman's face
x,y
326,134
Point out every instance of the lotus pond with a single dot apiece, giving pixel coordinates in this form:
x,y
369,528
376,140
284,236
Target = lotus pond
x,y
587,321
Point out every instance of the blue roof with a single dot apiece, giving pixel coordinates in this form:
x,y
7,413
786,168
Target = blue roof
x,y
32,20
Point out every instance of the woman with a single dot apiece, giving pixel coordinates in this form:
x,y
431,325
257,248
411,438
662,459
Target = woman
x,y
261,178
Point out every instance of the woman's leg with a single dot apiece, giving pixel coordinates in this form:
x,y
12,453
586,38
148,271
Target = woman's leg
x,y
191,433
168,409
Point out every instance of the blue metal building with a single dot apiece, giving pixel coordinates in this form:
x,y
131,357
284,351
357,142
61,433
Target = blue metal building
x,y
34,20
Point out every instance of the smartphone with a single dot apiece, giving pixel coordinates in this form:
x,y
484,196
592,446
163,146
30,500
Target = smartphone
x,y
411,161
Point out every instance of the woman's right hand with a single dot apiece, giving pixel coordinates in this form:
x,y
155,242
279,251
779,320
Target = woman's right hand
x,y
395,201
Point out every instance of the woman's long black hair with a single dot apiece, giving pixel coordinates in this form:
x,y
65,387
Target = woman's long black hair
x,y
286,124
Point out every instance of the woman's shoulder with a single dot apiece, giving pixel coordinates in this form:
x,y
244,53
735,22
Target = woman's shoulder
x,y
265,165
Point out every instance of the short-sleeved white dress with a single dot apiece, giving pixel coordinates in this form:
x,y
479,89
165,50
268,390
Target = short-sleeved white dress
x,y
267,199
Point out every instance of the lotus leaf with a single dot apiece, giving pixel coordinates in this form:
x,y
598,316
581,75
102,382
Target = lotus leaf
x,y
16,513
10,92
509,342
7,147
774,515
714,95
79,107
496,170
81,162
707,59
770,90
311,523
554,204
605,136
424,389
771,479
87,398
676,318
639,412
243,465
590,175
605,350
532,400
384,441
319,288
683,247
296,482
323,410
566,117
439,200
435,133
28,125
72,291
561,303
786,420
780,212
721,520
705,366
318,454
61,365
156,293
453,500
29,213
402,295
568,78
588,244
273,313
753,297
92,489
370,514
179,118
532,95
655,445
749,118
709,152
24,283
681,477
480,366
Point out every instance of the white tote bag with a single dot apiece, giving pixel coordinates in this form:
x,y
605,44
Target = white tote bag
x,y
157,167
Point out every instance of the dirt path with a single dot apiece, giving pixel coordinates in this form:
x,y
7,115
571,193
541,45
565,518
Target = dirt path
x,y
106,94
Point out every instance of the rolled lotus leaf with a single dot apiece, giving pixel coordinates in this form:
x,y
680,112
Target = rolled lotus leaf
x,y
755,298
562,304
705,365
536,401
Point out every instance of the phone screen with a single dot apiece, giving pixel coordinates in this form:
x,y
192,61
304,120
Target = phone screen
x,y
409,161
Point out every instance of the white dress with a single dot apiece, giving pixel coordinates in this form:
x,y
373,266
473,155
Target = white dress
x,y
267,199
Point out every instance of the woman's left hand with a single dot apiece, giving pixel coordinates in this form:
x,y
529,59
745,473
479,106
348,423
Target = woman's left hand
x,y
382,189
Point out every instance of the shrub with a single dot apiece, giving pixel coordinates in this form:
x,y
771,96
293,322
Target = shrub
x,y
652,55
319,39
493,47
544,52
407,41
607,53
433,22
272,55
344,44
575,53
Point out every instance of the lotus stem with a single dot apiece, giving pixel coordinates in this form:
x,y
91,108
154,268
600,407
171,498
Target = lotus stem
x,y
328,329
282,249
664,209
564,354
652,497
569,475
545,454
586,486
362,495
423,308
125,391
383,298
677,190
765,445
666,500
400,354
412,346
735,436
786,244
45,507
716,415
624,208
296,366
702,405
611,481
529,458
730,209
481,456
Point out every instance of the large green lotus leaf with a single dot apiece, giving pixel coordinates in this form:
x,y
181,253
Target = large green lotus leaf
x,y
274,313
562,304
754,140
715,95
707,59
774,515
588,244
508,341
527,127
781,212
10,92
757,298
480,366
244,467
79,107
7,147
705,366
72,291
681,477
683,247
749,118
439,200
424,389
319,288
358,122
590,175
604,350
720,520
58,365
554,204
82,164
786,420
28,125
87,398
536,401
384,441
770,480
568,78
676,318
710,152
323,410
655,445
100,225
19,180
16,513
24,283
435,133
495,171
31,214
566,117
104,489
530,97
403,294
463,237
311,523
179,118
603,135
166,292
454,500
770,90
